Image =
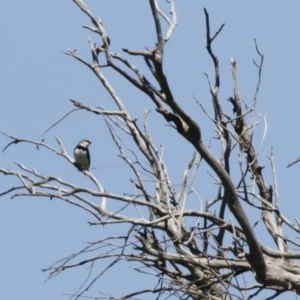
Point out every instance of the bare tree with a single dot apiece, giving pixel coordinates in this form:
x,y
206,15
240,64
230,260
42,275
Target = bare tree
x,y
195,249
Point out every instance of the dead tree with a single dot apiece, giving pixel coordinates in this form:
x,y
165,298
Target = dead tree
x,y
199,252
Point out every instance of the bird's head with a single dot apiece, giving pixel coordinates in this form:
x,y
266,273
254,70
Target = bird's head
x,y
84,143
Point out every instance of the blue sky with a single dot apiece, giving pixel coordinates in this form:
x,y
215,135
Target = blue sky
x,y
38,80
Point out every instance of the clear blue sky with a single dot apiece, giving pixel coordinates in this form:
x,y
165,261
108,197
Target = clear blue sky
x,y
37,80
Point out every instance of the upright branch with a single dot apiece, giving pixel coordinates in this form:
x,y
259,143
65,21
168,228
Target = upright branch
x,y
220,123
209,41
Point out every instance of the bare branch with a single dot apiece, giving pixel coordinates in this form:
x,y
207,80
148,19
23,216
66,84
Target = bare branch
x,y
198,241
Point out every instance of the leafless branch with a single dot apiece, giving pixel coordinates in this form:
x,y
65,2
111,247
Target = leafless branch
x,y
198,243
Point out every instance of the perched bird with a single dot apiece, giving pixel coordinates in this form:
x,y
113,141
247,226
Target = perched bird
x,y
82,155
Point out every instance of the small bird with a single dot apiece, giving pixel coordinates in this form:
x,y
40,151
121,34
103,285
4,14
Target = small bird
x,y
82,155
